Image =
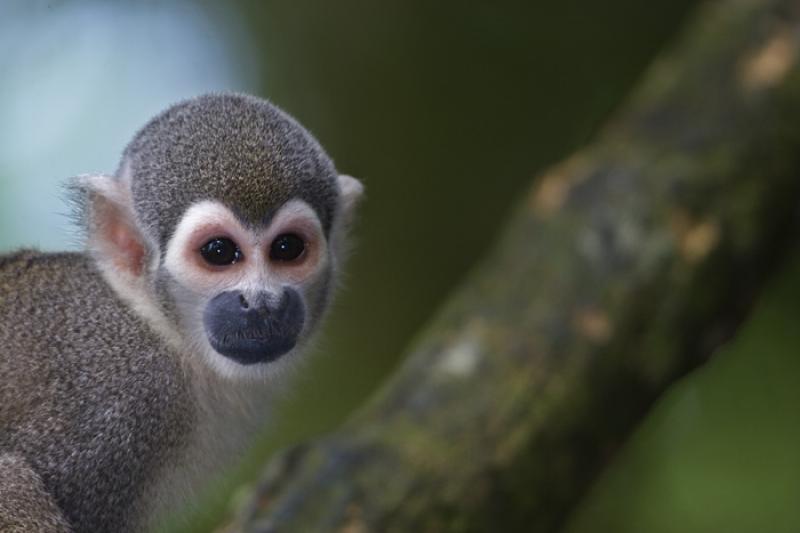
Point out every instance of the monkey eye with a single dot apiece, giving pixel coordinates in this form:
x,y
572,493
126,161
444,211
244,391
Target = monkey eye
x,y
286,247
221,251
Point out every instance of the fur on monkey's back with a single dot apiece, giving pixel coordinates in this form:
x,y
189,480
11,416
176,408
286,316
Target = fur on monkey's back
x,y
75,399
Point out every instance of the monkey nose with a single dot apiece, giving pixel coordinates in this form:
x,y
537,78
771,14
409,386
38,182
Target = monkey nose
x,y
260,304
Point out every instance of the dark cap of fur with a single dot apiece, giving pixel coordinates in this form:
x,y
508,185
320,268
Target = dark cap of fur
x,y
236,149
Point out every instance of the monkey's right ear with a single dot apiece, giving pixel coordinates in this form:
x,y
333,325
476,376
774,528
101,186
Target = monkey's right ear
x,y
113,236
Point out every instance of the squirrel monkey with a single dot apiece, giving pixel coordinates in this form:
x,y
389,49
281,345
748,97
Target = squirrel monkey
x,y
130,371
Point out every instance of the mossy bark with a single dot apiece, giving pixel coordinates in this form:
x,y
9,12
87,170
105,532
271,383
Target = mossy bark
x,y
621,270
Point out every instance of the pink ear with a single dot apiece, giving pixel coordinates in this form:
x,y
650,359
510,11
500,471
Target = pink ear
x,y
124,244
113,234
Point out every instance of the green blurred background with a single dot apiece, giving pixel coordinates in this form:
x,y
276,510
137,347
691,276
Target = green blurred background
x,y
446,111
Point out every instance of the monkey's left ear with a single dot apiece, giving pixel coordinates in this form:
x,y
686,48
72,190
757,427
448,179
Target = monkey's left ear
x,y
352,190
113,236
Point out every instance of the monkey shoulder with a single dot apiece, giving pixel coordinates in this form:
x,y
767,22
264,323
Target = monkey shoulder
x,y
89,396
64,331
58,305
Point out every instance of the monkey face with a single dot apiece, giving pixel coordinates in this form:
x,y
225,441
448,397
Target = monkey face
x,y
222,229
247,296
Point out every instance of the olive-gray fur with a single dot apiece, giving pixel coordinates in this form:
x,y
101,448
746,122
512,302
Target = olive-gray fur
x,y
73,409
233,148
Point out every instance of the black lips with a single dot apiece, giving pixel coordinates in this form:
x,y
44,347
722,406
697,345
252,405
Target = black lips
x,y
254,331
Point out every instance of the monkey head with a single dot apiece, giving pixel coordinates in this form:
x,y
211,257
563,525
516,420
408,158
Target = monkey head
x,y
223,228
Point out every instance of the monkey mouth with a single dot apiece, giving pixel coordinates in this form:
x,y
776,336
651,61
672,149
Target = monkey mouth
x,y
248,347
251,333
